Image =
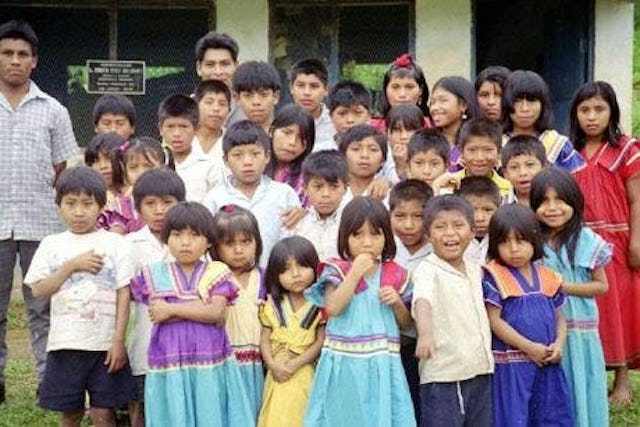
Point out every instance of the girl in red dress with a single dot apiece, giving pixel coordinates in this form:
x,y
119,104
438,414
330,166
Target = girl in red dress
x,y
611,186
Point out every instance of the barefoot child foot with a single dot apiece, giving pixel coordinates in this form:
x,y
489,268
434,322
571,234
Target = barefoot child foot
x,y
620,394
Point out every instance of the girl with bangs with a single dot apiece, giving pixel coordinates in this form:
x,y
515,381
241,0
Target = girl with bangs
x,y
526,107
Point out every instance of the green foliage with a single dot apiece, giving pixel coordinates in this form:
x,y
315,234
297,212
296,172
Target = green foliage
x,y
370,75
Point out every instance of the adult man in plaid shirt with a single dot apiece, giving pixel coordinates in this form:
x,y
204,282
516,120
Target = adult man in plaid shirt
x,y
36,139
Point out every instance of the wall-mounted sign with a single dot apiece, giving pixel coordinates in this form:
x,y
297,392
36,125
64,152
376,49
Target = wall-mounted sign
x,y
123,77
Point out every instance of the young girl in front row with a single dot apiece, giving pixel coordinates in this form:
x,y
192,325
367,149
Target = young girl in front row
x,y
129,161
292,332
359,379
579,255
237,243
193,378
611,185
524,300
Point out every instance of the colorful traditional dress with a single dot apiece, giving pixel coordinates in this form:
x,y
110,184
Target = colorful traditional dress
x,y
525,394
359,379
121,213
193,378
284,176
244,329
292,333
606,211
583,360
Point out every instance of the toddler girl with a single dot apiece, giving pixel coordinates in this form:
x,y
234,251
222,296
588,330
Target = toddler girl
x,y
610,183
292,332
524,300
579,255
402,122
129,161
359,379
193,378
237,243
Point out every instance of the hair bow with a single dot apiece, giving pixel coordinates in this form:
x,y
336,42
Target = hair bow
x,y
124,147
228,209
404,60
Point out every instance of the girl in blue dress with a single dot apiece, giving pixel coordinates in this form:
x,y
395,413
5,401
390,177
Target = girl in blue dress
x,y
579,255
524,301
359,379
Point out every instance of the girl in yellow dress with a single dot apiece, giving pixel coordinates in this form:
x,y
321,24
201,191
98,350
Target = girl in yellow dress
x,y
292,333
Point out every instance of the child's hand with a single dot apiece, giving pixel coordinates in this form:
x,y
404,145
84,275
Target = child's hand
x,y
89,261
379,188
364,263
554,353
116,357
425,347
389,296
445,183
282,372
538,353
159,310
292,216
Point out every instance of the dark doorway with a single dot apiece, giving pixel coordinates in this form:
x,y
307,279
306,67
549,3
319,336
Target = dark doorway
x,y
551,37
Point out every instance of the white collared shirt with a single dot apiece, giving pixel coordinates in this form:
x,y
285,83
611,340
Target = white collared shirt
x,y
476,252
459,321
200,173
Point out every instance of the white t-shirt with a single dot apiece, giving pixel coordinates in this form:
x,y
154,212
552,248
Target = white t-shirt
x,y
147,249
83,310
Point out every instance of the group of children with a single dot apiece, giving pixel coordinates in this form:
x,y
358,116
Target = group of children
x,y
320,244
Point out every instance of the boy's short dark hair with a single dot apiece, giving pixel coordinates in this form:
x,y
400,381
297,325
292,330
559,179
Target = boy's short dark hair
x,y
349,93
443,203
81,180
216,40
481,127
523,145
21,30
409,190
211,86
103,143
256,75
245,132
158,182
114,104
178,105
479,186
425,140
311,66
329,165
185,215
358,133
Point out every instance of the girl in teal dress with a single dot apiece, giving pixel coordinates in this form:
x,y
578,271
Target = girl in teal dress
x,y
359,379
579,255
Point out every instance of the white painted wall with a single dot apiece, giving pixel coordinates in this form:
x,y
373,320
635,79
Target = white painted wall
x,y
248,22
613,59
444,39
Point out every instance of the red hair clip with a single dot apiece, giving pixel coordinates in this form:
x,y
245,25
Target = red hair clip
x,y
404,60
228,209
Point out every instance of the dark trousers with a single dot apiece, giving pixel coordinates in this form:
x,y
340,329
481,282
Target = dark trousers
x,y
37,309
458,404
411,371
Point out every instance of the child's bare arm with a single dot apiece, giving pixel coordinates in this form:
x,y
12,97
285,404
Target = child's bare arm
x,y
391,297
117,354
633,195
557,347
212,311
337,298
426,345
265,347
310,354
597,286
536,351
88,261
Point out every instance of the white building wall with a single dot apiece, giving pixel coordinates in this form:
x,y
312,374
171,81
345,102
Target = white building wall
x,y
613,58
248,22
444,39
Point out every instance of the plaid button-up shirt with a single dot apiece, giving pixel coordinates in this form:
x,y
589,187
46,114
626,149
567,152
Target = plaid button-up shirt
x,y
33,137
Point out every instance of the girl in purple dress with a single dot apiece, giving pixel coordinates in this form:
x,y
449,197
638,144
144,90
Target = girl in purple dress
x,y
524,301
193,378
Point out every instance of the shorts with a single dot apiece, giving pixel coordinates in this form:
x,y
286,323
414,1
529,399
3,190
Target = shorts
x,y
70,373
